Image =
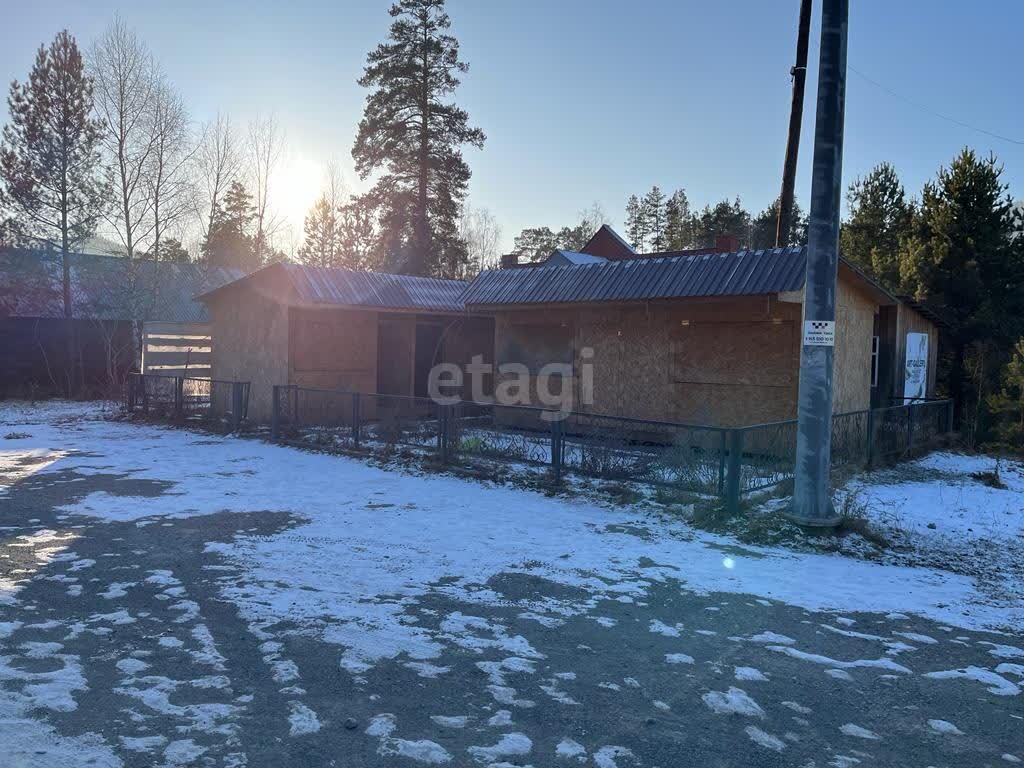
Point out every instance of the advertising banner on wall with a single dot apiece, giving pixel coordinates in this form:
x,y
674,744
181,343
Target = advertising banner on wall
x,y
915,378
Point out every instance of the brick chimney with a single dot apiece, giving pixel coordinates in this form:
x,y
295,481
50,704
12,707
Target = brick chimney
x,y
727,243
509,260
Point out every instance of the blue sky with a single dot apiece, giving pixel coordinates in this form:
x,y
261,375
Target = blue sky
x,y
589,101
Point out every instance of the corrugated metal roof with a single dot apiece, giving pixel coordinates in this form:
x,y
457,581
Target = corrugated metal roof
x,y
563,258
339,287
106,287
347,287
718,274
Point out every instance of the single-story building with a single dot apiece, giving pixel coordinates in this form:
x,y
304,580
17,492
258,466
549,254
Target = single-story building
x,y
325,328
698,337
113,301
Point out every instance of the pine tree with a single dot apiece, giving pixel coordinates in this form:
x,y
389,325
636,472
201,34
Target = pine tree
x,y
359,244
765,225
49,161
413,133
724,219
321,245
636,224
229,242
880,220
654,210
678,221
965,257
1008,403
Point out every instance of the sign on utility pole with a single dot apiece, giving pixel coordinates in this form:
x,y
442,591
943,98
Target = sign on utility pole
x,y
812,493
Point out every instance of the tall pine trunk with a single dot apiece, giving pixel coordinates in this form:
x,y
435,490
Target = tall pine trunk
x,y
422,222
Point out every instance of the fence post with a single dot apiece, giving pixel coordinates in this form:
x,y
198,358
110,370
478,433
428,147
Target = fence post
x,y
275,414
442,432
910,427
722,449
949,418
869,451
179,396
145,394
732,478
131,393
236,405
556,449
356,420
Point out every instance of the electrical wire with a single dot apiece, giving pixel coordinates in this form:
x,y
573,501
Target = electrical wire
x,y
932,112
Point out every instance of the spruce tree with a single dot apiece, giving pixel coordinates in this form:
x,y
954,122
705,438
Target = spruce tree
x,y
412,134
229,242
764,227
880,220
52,185
678,221
964,256
654,210
726,218
320,246
636,224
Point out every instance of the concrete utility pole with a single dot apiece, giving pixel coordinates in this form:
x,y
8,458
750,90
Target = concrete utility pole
x,y
796,112
812,495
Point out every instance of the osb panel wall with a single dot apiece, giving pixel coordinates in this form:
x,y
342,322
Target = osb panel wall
x,y
908,320
333,349
467,337
395,348
855,323
249,331
647,364
697,361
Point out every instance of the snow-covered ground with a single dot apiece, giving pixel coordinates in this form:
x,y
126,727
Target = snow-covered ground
x,y
355,554
377,532
963,513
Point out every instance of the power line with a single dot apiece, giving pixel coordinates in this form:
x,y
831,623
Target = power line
x,y
932,112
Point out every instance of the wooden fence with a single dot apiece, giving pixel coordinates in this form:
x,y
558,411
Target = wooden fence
x,y
176,349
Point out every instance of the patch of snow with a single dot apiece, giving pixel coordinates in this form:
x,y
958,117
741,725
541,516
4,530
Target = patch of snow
x,y
500,719
733,702
301,719
750,674
887,664
944,727
510,745
660,628
450,721
606,757
678,658
840,674
764,739
857,732
571,750
995,683
183,752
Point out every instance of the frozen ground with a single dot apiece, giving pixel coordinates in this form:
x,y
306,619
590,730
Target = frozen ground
x,y
172,598
959,513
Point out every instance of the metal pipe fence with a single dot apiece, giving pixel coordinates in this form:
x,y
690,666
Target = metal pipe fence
x,y
724,462
187,398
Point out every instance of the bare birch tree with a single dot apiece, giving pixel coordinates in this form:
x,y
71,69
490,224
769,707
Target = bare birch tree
x,y
264,149
126,81
219,161
170,181
480,231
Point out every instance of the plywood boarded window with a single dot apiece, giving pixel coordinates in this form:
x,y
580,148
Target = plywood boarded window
x,y
746,353
536,345
333,341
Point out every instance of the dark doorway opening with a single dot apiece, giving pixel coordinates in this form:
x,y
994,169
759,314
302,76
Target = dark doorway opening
x,y
429,352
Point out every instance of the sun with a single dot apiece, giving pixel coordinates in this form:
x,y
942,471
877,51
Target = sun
x,y
294,187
